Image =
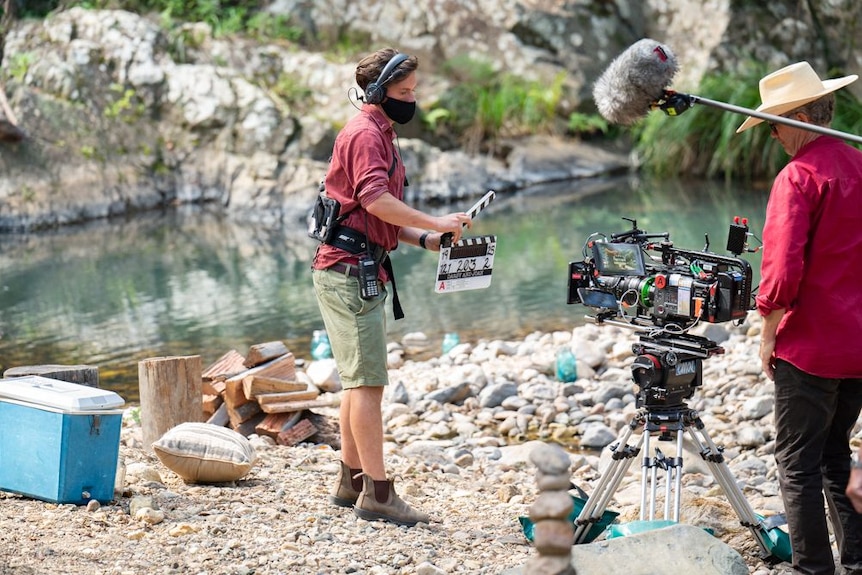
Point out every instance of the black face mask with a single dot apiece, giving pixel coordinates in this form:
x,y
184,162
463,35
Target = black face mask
x,y
398,110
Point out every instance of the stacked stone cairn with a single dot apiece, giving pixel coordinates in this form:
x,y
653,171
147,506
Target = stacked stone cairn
x,y
553,531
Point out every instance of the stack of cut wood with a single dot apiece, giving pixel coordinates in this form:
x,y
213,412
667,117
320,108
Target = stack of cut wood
x,y
260,393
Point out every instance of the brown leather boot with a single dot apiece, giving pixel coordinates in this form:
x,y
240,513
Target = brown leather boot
x,y
346,491
379,502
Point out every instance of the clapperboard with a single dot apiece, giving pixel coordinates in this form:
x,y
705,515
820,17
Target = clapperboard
x,y
468,263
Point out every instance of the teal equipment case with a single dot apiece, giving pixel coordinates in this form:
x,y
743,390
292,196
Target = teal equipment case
x,y
59,441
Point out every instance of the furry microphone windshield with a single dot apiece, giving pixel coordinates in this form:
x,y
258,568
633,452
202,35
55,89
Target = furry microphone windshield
x,y
634,81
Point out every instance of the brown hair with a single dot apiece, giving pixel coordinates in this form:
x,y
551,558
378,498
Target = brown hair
x,y
820,111
370,67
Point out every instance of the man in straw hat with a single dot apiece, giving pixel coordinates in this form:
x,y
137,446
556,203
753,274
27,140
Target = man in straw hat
x,y
810,297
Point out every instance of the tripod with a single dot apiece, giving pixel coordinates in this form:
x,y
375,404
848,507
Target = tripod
x,y
667,370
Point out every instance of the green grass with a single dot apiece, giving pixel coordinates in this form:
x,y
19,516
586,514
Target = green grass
x,y
484,106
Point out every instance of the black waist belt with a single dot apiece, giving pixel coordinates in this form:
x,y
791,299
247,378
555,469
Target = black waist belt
x,y
355,242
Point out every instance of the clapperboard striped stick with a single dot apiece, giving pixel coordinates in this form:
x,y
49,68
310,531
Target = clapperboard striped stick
x,y
468,263
446,239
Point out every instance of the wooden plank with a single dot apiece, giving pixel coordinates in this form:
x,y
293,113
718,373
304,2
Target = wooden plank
x,y
228,365
296,405
263,352
328,429
275,423
296,434
283,367
254,385
210,404
208,388
220,417
80,374
233,394
247,427
270,398
242,413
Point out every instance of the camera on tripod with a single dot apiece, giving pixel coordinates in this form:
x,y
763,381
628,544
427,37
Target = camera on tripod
x,y
642,279
639,281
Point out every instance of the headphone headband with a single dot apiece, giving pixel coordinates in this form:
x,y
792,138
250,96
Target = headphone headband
x,y
375,92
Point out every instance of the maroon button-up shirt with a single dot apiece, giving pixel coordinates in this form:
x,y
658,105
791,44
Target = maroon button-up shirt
x,y
358,174
812,259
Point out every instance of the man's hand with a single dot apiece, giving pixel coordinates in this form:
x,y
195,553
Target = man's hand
x,y
768,334
854,489
767,357
453,223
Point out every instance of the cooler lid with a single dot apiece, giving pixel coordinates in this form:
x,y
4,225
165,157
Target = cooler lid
x,y
70,397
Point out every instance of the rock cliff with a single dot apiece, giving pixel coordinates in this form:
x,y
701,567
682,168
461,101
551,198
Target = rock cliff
x,y
122,114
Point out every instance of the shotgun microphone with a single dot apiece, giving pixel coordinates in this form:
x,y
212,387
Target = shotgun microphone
x,y
635,81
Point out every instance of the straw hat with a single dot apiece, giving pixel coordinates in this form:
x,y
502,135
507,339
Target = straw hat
x,y
791,87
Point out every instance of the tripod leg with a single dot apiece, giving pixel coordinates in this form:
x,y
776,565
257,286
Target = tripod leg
x,y
676,465
646,464
597,503
715,460
668,482
653,483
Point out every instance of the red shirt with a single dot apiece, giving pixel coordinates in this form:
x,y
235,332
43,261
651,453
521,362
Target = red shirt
x,y
358,174
812,259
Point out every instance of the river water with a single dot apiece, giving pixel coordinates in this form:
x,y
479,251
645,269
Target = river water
x,y
190,282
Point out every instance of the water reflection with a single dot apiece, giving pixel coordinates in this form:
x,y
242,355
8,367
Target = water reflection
x,y
189,282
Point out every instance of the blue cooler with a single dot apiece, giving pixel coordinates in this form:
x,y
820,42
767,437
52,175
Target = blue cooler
x,y
59,441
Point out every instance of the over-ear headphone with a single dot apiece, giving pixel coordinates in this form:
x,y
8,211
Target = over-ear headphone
x,y
375,92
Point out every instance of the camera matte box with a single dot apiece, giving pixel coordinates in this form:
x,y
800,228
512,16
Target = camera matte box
x,y
59,441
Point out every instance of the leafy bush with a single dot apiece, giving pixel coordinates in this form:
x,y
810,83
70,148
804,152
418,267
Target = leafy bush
x,y
483,105
224,16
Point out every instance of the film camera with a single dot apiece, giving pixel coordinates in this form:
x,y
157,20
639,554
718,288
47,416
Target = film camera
x,y
641,281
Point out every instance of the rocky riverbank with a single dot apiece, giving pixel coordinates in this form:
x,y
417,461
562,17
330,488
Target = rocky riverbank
x,y
457,428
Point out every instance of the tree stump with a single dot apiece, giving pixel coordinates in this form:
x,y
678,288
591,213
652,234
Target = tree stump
x,y
80,374
170,394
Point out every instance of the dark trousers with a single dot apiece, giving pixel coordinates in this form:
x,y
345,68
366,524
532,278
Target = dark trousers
x,y
814,418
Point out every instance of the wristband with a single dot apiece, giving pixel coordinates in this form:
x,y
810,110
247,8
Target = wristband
x,y
855,463
422,239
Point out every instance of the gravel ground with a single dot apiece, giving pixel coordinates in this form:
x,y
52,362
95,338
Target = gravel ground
x,y
454,461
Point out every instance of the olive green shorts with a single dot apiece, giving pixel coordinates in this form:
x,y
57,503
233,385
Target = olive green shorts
x,y
356,328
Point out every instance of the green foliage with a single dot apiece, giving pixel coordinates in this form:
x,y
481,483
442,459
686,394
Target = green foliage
x,y
484,105
703,141
848,112
32,8
124,106
587,124
225,17
19,65
263,26
295,94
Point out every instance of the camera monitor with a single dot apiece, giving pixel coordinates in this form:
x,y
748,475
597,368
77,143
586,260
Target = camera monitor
x,y
619,259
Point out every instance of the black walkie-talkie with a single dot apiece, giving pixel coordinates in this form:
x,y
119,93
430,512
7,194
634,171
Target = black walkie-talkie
x,y
368,286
